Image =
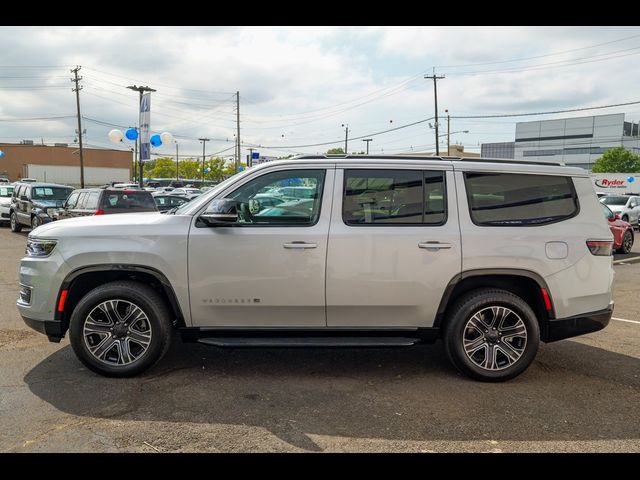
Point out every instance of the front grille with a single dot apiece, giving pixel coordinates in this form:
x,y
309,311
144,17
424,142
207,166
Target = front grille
x,y
25,295
4,215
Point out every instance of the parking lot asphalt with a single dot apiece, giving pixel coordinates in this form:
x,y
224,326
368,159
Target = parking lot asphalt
x,y
580,395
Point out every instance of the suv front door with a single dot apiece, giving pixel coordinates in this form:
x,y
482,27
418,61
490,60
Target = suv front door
x,y
266,269
393,248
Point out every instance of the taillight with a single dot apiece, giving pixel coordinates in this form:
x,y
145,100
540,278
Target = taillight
x,y
600,247
99,212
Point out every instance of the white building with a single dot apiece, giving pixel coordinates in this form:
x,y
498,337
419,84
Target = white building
x,y
574,141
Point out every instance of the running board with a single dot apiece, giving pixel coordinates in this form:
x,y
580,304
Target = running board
x,y
248,342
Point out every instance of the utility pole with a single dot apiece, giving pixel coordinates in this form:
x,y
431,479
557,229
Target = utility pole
x,y
177,165
346,137
448,132
76,79
204,142
367,140
238,127
139,140
435,93
250,158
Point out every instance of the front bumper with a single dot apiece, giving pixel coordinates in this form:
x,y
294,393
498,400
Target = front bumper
x,y
561,328
51,328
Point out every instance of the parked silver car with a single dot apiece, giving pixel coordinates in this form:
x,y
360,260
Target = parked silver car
x,y
628,206
491,257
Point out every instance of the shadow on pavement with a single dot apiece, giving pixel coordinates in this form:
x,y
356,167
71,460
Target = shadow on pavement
x,y
572,392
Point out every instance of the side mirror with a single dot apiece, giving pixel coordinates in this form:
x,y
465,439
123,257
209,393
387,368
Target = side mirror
x,y
220,212
24,198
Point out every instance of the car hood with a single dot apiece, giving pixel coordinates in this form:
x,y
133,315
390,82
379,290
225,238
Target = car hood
x,y
5,201
48,203
116,225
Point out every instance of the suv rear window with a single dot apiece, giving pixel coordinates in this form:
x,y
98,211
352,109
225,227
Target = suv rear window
x,y
128,199
511,199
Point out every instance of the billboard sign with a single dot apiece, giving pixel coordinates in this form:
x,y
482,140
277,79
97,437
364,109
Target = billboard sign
x,y
145,120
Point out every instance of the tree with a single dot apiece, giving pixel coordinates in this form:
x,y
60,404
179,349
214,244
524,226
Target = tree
x,y
162,168
617,160
335,151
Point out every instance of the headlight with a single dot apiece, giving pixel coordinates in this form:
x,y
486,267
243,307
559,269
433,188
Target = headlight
x,y
40,248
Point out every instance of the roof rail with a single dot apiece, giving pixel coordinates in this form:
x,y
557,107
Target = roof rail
x,y
425,157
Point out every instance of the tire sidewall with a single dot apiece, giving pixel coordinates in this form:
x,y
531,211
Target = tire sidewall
x,y
624,248
14,224
455,331
157,318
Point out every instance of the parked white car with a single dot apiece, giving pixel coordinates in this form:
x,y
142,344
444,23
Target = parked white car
x,y
490,256
628,206
6,192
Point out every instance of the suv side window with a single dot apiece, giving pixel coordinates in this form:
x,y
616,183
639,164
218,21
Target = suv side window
x,y
292,210
81,200
26,191
399,197
72,200
512,199
91,202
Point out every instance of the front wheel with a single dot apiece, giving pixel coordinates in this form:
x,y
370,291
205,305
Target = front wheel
x,y
35,222
120,329
13,222
491,335
627,242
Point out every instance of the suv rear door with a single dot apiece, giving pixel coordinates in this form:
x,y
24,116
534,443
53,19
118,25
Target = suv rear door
x,y
394,245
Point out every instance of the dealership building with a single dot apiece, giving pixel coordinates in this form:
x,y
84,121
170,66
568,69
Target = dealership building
x,y
60,163
576,142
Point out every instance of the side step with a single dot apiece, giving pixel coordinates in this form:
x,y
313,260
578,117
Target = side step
x,y
249,342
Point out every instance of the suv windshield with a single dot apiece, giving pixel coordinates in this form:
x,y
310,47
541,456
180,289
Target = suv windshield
x,y
6,191
611,200
129,199
51,193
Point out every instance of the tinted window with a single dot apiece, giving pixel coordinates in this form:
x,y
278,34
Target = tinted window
x,y
410,197
292,210
607,212
614,200
51,193
128,199
503,199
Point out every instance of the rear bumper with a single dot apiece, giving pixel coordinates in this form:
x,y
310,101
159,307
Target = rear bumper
x,y
561,328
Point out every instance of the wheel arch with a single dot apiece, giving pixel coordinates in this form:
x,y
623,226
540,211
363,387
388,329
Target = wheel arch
x,y
524,283
82,280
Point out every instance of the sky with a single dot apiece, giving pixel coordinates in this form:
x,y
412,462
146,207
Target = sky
x,y
301,86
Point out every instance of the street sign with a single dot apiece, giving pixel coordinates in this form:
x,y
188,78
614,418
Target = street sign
x,y
255,155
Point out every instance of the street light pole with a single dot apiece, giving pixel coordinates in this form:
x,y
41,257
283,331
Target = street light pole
x,y
448,132
346,137
367,140
141,90
204,142
177,164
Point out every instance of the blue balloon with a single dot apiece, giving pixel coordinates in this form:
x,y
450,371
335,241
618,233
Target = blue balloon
x,y
131,134
2,154
207,170
155,140
631,179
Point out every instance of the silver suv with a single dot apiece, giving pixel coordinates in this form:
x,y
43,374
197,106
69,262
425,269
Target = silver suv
x,y
489,256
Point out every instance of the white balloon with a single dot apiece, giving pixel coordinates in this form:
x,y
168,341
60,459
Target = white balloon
x,y
166,138
116,135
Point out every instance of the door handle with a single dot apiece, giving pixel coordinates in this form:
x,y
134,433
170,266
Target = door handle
x,y
434,245
300,245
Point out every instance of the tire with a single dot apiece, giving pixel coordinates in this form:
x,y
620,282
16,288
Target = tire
x,y
14,223
627,242
472,313
149,329
35,223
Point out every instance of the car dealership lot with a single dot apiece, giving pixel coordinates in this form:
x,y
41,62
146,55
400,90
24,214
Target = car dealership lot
x,y
581,394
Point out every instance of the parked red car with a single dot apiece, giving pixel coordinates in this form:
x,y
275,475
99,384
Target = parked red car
x,y
622,231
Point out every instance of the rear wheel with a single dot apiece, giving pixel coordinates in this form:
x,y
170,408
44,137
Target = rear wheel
x,y
120,329
491,335
627,242
15,225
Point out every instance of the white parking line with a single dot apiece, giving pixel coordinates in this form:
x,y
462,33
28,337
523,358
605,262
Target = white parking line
x,y
623,320
626,260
